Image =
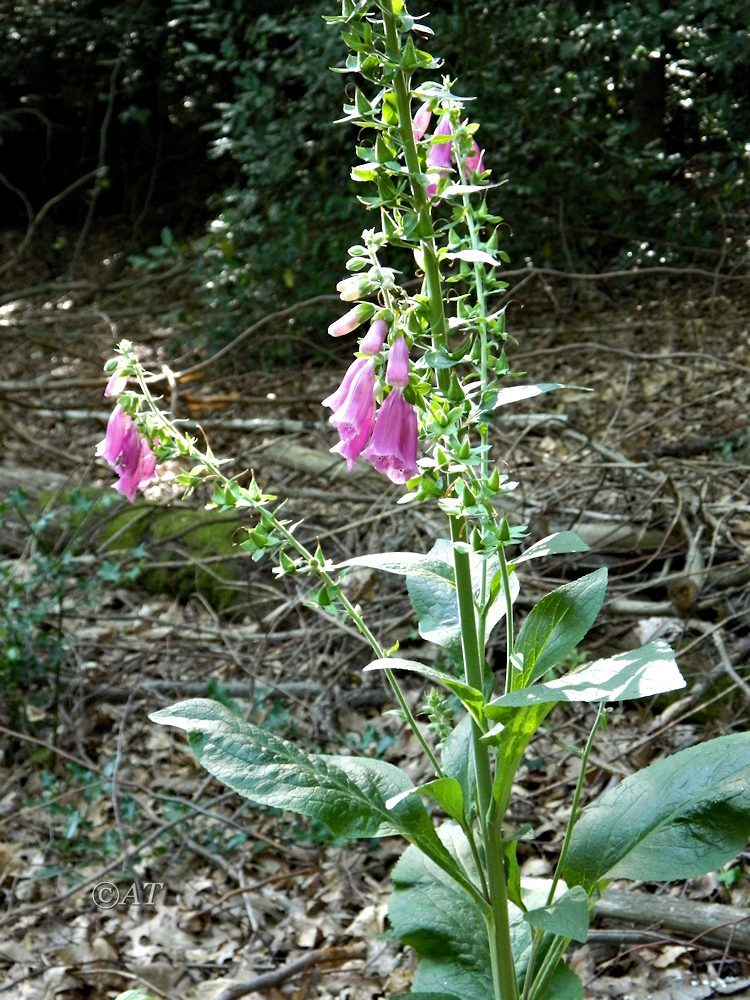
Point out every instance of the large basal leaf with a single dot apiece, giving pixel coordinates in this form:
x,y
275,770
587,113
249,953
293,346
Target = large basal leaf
x,y
640,673
682,816
554,627
564,985
445,927
412,564
348,794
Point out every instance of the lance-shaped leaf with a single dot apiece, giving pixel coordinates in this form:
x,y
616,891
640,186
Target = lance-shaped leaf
x,y
559,544
681,817
566,916
469,696
348,794
640,673
412,564
445,927
557,623
446,792
518,392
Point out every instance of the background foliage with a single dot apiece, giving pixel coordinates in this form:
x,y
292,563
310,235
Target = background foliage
x,y
621,129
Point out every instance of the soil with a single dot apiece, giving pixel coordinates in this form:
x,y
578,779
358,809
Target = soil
x,y
122,864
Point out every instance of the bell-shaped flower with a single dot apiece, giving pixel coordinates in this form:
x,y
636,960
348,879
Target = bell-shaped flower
x,y
421,121
373,340
393,447
475,160
117,383
128,453
397,370
439,156
351,320
353,406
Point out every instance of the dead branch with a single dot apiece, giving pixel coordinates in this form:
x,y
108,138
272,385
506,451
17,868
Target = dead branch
x,y
708,923
268,979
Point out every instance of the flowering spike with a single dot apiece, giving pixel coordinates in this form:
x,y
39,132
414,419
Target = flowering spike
x,y
354,410
397,371
393,448
351,320
421,121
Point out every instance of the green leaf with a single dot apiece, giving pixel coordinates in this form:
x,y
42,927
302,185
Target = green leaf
x,y
567,916
412,564
433,597
457,759
348,794
473,257
639,673
518,392
445,791
554,627
681,817
472,699
445,927
564,985
558,544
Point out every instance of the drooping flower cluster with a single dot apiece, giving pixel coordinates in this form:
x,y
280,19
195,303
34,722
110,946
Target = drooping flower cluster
x,y
387,439
128,453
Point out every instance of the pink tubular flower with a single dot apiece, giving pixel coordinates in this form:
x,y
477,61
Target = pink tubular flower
x,y
439,156
393,448
421,121
117,384
372,342
397,370
351,320
353,407
128,453
475,161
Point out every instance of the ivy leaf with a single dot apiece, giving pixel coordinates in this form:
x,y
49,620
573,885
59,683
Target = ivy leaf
x,y
681,817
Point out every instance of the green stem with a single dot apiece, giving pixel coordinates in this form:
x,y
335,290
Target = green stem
x,y
531,986
498,922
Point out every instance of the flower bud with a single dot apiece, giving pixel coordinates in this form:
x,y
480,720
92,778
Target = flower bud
x,y
397,370
372,342
421,121
351,320
355,287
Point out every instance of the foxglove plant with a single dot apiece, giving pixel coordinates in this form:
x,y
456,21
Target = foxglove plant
x,y
429,375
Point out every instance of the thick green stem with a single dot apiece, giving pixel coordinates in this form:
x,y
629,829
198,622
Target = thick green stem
x,y
498,922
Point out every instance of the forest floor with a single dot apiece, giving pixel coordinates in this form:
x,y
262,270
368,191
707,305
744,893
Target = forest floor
x,y
122,864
